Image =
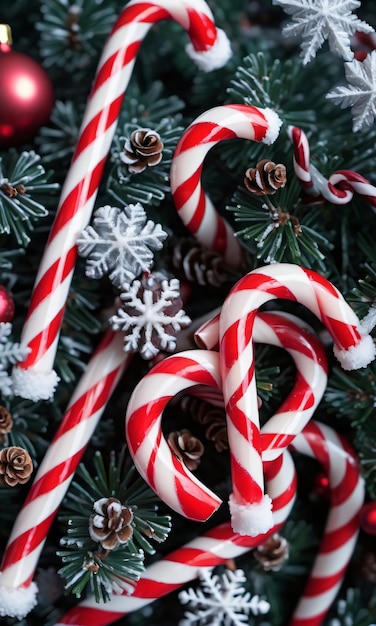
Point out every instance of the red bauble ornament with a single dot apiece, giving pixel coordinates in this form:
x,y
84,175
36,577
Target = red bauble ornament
x,y
6,305
26,92
368,518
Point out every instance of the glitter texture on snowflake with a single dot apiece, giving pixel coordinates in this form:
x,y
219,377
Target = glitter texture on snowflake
x,y
361,94
222,600
315,21
151,315
120,243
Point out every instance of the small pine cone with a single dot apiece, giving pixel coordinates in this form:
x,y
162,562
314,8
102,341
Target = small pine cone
x,y
111,523
367,567
266,178
199,264
143,149
9,190
213,417
272,553
186,447
16,466
6,422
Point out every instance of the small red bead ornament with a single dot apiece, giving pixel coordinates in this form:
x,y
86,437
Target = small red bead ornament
x,y
6,305
368,518
26,94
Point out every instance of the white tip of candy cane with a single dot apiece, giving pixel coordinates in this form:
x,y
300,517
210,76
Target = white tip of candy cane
x,y
213,58
357,356
34,386
17,602
251,519
274,124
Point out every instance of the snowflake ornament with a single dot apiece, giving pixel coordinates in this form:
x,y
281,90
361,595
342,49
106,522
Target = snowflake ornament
x,y
315,21
10,353
361,94
151,315
223,601
120,243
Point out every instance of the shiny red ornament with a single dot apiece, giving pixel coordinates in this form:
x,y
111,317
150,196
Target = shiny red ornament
x,y
368,518
6,305
27,96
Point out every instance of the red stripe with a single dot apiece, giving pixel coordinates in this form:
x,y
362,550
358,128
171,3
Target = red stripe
x,y
246,489
265,283
201,133
196,557
115,63
196,504
183,193
317,586
41,343
348,485
150,469
202,31
53,277
27,542
335,539
285,498
245,426
142,420
145,12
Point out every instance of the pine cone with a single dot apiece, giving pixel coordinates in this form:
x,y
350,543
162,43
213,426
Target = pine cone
x,y
199,264
111,523
143,149
272,553
266,178
6,422
367,567
213,417
16,466
186,447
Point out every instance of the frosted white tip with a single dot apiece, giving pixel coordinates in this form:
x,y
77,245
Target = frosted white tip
x,y
251,519
357,356
17,602
213,58
34,386
275,123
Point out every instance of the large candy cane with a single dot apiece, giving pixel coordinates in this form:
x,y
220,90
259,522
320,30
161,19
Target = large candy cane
x,y
17,589
35,378
180,489
250,508
339,188
194,207
219,544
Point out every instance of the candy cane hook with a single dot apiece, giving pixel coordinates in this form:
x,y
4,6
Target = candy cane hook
x,y
250,508
221,543
34,378
17,589
193,205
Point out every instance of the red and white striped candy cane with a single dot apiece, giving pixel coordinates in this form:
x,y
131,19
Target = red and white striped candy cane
x,y
35,378
17,589
250,508
221,543
183,565
341,185
153,458
193,205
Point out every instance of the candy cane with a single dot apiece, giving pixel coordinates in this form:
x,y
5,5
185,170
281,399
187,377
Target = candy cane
x,y
212,548
250,508
17,590
219,544
153,458
341,185
194,207
35,378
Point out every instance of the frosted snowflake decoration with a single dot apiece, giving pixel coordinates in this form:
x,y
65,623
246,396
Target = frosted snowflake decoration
x,y
222,600
10,354
315,21
151,315
120,243
361,94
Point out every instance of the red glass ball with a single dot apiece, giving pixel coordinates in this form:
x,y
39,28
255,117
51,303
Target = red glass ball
x,y
6,305
26,98
368,518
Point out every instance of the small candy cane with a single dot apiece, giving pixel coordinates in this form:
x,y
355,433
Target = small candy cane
x,y
174,484
34,378
219,544
194,207
17,589
341,185
250,508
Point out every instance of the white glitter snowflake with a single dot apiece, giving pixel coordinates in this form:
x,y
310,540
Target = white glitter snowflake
x,y
361,94
223,600
151,315
120,242
315,21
